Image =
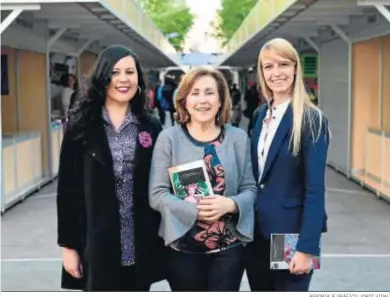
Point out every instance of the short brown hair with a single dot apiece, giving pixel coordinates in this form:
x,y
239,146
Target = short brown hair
x,y
186,85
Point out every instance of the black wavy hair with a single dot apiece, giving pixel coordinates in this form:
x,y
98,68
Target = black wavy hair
x,y
88,108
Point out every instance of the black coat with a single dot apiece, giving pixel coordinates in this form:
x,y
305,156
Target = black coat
x,y
88,216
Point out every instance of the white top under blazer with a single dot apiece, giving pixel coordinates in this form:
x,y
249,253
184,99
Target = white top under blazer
x,y
270,126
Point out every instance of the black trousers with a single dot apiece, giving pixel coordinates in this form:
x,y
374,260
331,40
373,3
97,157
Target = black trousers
x,y
125,279
161,114
129,282
205,272
172,113
250,125
262,279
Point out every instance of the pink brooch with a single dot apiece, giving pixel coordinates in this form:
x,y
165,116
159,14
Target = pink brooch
x,y
145,139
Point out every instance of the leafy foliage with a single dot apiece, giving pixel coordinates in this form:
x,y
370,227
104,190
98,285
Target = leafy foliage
x,y
231,15
172,17
181,192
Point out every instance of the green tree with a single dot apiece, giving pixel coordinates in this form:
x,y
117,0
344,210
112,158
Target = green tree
x,y
172,17
230,17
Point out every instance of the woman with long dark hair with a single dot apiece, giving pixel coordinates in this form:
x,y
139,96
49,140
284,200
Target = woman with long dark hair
x,y
106,228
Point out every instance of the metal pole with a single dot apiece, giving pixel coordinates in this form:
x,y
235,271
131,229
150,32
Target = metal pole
x,y
50,43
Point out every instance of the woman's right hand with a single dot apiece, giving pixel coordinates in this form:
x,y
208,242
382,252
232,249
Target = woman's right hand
x,y
72,263
212,208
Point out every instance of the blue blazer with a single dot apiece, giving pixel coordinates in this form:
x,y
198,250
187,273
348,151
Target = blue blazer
x,y
290,197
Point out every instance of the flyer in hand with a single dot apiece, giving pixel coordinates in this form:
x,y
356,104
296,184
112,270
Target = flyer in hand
x,y
190,181
283,248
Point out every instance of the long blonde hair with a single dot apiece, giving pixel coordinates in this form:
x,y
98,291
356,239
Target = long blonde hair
x,y
303,109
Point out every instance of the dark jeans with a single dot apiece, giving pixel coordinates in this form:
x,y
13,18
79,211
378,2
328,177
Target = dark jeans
x,y
205,272
262,279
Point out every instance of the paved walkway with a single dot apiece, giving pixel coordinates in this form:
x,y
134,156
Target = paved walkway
x,y
356,248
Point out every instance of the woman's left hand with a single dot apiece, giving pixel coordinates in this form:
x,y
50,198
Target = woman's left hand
x,y
301,263
212,208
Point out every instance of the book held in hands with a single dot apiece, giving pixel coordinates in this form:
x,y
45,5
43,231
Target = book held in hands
x,y
190,181
283,248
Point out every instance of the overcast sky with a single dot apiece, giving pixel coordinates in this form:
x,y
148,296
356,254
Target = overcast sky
x,y
204,11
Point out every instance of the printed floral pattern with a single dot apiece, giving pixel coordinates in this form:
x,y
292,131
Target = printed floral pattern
x,y
145,139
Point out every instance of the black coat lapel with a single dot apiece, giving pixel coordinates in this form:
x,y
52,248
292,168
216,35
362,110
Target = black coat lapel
x,y
97,145
144,146
277,141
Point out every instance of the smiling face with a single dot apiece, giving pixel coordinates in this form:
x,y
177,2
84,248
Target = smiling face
x,y
191,189
124,81
278,72
203,103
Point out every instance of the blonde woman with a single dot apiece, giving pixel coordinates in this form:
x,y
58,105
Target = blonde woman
x,y
205,237
289,151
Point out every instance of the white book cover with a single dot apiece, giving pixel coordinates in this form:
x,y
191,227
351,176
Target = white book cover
x,y
190,181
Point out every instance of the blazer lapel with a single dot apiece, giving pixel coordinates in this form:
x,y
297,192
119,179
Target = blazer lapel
x,y
255,139
277,141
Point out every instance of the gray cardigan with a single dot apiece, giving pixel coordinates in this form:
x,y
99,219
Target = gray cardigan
x,y
178,216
